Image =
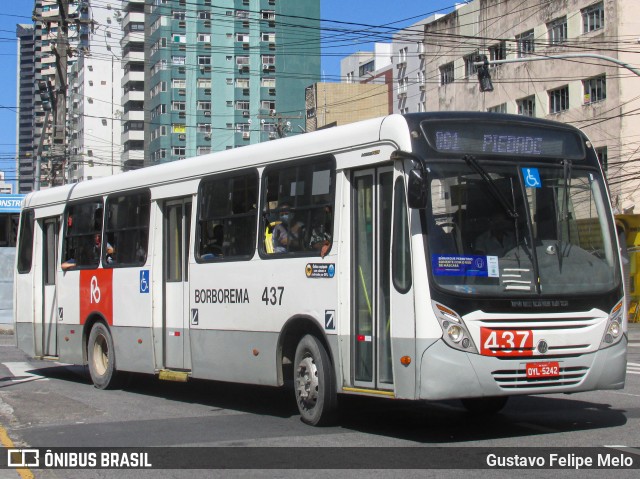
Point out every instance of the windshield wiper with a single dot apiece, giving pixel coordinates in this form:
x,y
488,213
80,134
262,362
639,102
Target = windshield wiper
x,y
564,208
497,194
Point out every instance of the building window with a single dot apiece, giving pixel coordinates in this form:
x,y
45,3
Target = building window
x,y
203,105
366,68
268,59
178,106
177,60
593,17
204,15
470,68
268,82
268,37
242,83
204,37
242,105
178,83
242,60
498,51
203,150
242,37
557,30
204,60
179,151
602,157
595,89
501,108
446,74
525,43
204,82
527,106
204,128
559,100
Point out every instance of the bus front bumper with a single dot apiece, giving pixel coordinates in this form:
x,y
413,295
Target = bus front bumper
x,y
446,373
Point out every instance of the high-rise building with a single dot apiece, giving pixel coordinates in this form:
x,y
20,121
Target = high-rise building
x,y
25,121
94,96
133,83
225,74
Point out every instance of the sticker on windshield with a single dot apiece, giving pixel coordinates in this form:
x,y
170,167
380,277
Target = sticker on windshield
x,y
465,265
531,177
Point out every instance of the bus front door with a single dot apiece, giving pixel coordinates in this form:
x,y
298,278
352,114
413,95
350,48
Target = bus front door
x,y
371,291
47,324
176,229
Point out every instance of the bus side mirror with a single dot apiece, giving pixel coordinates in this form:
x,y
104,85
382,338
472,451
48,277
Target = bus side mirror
x,y
417,189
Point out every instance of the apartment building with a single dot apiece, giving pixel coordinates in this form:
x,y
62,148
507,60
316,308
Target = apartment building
x,y
597,95
226,74
25,118
94,99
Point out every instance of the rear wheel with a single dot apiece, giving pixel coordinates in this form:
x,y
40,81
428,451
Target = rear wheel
x,y
102,357
486,405
314,382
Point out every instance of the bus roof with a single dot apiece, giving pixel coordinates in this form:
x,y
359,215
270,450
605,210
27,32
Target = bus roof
x,y
392,128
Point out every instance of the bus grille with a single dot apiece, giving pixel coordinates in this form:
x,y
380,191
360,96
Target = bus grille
x,y
517,378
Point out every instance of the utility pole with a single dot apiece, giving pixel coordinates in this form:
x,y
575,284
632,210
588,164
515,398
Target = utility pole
x,y
282,124
62,52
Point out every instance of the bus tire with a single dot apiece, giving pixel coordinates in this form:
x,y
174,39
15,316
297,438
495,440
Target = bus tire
x,y
314,382
485,405
101,356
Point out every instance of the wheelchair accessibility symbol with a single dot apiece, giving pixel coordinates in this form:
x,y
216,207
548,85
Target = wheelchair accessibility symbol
x,y
144,281
531,177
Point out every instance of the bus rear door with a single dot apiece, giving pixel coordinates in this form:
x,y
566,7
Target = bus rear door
x,y
46,327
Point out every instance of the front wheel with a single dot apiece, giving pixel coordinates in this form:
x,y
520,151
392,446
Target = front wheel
x,y
485,405
314,382
102,357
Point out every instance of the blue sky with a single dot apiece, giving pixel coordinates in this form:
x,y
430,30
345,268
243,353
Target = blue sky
x,y
395,14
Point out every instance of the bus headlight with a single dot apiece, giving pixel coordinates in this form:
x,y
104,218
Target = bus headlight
x,y
613,332
455,333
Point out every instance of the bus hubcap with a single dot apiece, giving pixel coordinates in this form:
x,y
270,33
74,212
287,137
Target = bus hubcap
x,y
307,382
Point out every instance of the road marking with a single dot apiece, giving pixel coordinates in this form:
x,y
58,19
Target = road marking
x,y
21,374
6,441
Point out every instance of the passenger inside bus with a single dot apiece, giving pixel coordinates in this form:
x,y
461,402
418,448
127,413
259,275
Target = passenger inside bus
x,y
320,238
214,247
288,233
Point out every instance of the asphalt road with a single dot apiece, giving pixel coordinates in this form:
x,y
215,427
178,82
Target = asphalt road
x,y
45,404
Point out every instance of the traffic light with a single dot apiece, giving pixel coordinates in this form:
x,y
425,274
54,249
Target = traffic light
x,y
46,94
484,77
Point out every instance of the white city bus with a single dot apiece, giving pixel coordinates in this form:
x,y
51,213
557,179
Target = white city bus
x,y
427,256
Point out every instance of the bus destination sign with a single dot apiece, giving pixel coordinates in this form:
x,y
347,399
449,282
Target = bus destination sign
x,y
502,139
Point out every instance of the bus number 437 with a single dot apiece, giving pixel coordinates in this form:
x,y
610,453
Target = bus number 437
x,y
504,342
272,296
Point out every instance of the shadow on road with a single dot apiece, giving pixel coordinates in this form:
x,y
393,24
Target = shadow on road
x,y
424,422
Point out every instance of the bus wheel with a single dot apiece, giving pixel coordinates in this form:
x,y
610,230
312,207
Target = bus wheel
x,y
314,382
486,405
102,357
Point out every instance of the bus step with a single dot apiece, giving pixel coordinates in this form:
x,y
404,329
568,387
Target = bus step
x,y
48,358
179,376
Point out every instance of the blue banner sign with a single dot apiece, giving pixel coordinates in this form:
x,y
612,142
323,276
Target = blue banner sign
x,y
465,265
11,203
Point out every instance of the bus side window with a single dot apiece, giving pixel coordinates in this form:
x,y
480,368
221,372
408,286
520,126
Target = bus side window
x,y
82,241
297,207
227,216
126,229
25,242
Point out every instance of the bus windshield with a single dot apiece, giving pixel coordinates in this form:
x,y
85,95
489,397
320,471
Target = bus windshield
x,y
505,228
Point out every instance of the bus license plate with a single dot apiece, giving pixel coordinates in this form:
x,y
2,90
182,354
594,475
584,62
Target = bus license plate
x,y
506,342
543,370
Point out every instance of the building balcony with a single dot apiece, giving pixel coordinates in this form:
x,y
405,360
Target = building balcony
x,y
132,37
132,96
132,76
133,57
137,135
133,115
